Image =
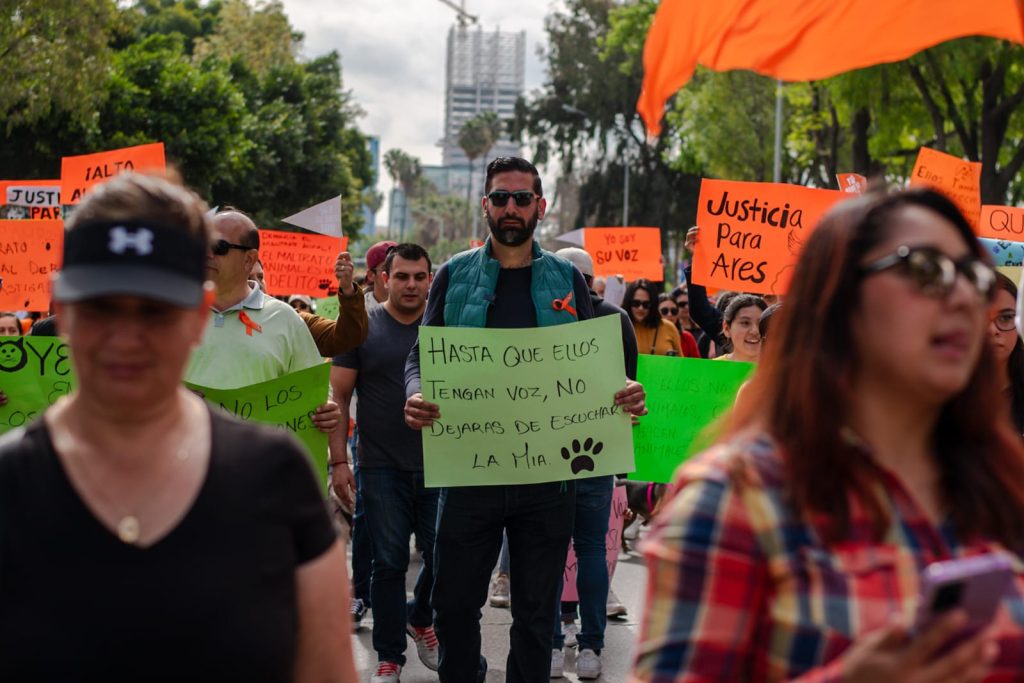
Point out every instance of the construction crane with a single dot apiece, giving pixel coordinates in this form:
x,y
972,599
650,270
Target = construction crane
x,y
465,18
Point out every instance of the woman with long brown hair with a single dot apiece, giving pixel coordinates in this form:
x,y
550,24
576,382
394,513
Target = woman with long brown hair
x,y
873,443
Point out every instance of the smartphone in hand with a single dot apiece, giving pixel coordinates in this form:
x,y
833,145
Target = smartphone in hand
x,y
975,585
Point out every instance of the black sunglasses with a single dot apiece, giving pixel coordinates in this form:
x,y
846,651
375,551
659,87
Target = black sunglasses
x,y
500,197
934,273
668,311
221,247
640,304
300,306
683,304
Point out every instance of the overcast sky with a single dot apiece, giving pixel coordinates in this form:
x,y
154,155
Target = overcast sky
x,y
393,59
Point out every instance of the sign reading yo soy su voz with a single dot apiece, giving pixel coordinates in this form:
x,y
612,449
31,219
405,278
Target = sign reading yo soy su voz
x,y
524,405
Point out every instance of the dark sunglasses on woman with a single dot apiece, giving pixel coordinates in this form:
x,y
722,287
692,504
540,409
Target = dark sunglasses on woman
x,y
640,304
668,311
933,273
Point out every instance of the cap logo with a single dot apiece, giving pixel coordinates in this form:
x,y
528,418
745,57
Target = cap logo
x,y
140,241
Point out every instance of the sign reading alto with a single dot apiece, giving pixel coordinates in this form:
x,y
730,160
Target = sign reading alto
x,y
79,173
751,234
522,406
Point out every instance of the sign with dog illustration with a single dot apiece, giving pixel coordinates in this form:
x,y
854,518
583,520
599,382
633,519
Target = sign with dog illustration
x,y
521,406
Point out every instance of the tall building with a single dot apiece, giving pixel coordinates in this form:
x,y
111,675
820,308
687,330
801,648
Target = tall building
x,y
370,216
486,72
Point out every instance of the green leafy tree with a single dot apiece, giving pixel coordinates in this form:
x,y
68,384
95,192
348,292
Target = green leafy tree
x,y
54,56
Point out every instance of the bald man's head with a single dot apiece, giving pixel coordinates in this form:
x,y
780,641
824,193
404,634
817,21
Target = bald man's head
x,y
230,270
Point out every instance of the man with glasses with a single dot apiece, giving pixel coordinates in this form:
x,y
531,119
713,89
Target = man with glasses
x,y
251,337
510,282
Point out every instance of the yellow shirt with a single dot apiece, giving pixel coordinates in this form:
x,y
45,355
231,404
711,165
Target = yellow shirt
x,y
658,341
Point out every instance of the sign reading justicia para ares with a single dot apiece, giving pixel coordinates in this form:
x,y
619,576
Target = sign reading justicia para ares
x,y
524,406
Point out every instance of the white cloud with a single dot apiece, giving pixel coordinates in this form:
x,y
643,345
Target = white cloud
x,y
393,59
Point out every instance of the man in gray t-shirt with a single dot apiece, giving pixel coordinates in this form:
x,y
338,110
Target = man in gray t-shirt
x,y
390,473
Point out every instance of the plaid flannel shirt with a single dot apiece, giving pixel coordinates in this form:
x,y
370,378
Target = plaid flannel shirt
x,y
741,588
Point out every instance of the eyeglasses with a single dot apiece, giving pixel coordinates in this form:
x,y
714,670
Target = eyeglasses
x,y
500,197
1005,321
221,247
668,311
934,273
300,306
640,304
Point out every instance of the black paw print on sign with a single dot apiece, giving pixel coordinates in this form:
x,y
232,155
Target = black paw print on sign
x,y
324,284
580,455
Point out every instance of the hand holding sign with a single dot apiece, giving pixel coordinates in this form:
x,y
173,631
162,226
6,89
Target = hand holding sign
x,y
299,263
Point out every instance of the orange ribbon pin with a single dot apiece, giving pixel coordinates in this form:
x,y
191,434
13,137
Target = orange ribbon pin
x,y
564,305
249,323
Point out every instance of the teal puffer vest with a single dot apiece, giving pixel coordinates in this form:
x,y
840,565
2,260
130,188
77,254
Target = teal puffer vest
x,y
473,275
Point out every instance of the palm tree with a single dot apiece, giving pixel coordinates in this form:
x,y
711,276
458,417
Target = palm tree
x,y
405,171
476,137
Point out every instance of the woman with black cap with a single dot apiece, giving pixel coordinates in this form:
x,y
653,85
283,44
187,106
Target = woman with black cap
x,y
142,536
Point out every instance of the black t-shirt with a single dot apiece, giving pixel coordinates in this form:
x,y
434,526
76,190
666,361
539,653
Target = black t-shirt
x,y
384,438
214,600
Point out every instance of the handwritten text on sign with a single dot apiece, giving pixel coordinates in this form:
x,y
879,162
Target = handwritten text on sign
x,y
30,252
34,373
285,403
952,176
632,253
300,263
1004,253
751,234
79,173
684,396
524,405
612,546
30,199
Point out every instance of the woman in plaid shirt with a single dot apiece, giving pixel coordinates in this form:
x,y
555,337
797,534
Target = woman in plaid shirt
x,y
873,441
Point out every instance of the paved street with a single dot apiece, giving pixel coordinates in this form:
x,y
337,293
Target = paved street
x,y
628,584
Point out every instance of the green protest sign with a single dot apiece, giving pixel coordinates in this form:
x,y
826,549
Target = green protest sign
x,y
34,373
684,396
328,308
523,406
285,402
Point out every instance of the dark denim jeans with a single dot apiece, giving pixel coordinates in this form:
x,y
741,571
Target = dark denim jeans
x,y
593,508
362,550
397,505
538,521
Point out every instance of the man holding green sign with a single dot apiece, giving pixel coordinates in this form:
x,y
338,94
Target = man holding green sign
x,y
510,282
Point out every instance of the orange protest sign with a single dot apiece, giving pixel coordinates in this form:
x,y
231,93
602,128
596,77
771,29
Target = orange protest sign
x,y
30,251
300,263
952,176
30,199
79,173
751,234
1001,223
633,253
852,183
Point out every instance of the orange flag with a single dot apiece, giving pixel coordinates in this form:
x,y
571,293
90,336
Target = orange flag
x,y
800,40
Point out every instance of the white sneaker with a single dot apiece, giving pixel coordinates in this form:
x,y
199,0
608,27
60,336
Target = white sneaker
x,y
588,664
557,664
614,607
500,591
570,630
427,646
387,672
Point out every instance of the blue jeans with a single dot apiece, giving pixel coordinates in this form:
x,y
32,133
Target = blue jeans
x,y
397,505
538,520
593,508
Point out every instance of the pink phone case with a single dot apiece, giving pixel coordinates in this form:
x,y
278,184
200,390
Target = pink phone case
x,y
975,585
